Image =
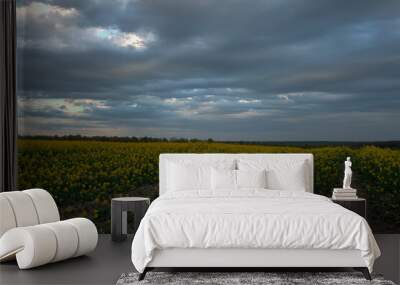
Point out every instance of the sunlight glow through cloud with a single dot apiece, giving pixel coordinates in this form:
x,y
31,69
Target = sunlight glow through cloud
x,y
68,35
125,40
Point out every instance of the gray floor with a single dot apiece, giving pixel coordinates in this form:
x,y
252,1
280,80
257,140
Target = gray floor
x,y
389,262
104,266
110,260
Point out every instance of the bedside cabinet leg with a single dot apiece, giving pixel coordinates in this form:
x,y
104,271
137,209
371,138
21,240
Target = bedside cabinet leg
x,y
143,274
364,271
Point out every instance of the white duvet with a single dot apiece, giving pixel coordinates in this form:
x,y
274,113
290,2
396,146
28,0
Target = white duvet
x,y
250,219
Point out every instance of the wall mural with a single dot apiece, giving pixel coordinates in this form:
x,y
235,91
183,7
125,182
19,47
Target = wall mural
x,y
104,87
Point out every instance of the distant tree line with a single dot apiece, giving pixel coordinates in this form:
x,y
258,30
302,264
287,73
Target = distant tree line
x,y
310,144
389,144
114,138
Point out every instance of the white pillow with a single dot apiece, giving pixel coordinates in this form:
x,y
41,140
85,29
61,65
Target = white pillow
x,y
188,177
223,179
281,174
251,178
292,179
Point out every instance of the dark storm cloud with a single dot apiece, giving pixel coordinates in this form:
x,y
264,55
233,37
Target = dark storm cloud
x,y
259,70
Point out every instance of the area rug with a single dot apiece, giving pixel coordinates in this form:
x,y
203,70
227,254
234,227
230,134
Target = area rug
x,y
269,278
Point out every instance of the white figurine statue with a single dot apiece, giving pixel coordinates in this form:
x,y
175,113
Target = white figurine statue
x,y
347,174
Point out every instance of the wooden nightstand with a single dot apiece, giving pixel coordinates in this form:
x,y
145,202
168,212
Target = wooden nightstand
x,y
358,205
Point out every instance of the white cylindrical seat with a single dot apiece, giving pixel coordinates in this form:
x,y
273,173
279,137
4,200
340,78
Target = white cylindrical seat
x,y
31,230
37,245
45,205
32,246
67,240
87,233
7,220
24,211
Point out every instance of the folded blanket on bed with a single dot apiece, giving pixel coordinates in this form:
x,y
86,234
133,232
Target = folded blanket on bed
x,y
250,219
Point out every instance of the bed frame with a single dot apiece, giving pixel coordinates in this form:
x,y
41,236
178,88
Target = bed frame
x,y
242,259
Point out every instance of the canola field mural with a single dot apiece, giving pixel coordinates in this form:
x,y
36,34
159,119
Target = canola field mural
x,y
84,175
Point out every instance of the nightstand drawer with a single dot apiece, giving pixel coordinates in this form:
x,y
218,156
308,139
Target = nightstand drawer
x,y
358,206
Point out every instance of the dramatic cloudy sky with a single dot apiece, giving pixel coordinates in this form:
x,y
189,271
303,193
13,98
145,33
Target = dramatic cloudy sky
x,y
226,69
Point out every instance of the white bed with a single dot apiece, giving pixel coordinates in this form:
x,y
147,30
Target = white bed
x,y
250,227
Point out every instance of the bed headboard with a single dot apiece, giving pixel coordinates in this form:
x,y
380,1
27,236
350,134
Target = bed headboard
x,y
307,158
